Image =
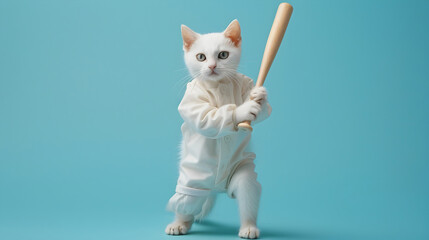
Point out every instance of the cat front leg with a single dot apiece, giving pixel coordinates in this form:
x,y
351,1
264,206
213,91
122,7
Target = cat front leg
x,y
247,190
180,226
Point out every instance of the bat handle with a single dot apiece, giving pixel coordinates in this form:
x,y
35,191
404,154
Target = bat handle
x,y
245,126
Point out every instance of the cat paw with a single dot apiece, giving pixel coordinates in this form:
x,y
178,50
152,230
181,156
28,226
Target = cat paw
x,y
247,111
249,232
258,94
177,228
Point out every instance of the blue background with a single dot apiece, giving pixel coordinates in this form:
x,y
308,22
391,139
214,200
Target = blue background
x,y
89,128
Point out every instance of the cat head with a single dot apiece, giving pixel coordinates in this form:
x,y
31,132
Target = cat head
x,y
212,56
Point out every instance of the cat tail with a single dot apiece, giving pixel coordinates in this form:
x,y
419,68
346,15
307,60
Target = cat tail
x,y
206,208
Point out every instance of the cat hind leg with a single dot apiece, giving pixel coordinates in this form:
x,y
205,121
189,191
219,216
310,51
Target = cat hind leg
x,y
180,226
247,190
187,209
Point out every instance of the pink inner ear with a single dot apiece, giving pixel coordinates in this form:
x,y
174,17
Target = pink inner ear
x,y
233,32
188,36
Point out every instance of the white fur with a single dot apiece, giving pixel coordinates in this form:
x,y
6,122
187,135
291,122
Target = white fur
x,y
211,45
247,190
180,226
247,111
258,94
243,184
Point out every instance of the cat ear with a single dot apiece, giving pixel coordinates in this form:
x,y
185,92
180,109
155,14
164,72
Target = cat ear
x,y
233,32
188,36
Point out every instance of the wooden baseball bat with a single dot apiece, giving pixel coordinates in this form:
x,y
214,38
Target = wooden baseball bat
x,y
273,43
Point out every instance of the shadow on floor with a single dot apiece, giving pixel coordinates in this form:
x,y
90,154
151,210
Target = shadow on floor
x,y
212,228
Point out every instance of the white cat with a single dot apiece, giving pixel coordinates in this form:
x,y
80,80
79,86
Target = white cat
x,y
215,154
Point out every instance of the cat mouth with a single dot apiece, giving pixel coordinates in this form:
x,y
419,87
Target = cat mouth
x,y
213,73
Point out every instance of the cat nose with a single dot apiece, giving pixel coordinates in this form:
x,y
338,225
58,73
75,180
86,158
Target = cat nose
x,y
212,67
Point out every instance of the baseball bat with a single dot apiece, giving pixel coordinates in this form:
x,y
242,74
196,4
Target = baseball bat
x,y
277,32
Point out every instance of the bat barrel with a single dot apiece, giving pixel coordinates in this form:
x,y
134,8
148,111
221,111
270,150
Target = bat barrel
x,y
275,38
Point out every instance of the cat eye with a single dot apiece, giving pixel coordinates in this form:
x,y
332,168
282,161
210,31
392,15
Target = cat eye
x,y
201,57
223,55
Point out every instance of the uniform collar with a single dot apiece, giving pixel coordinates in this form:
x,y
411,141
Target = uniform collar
x,y
214,84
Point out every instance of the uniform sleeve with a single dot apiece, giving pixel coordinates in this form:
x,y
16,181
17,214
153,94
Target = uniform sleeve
x,y
265,112
248,85
204,118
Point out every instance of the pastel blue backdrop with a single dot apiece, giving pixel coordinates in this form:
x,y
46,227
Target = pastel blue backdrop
x,y
89,127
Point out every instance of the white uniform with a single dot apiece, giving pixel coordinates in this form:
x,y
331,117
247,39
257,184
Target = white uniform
x,y
212,147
